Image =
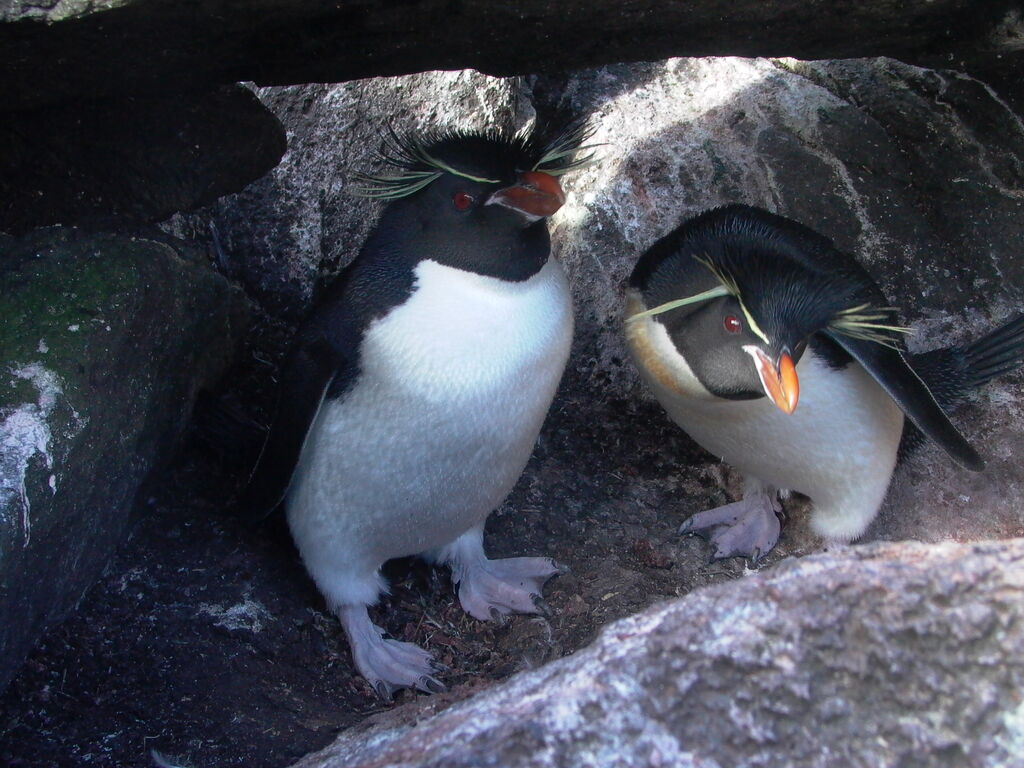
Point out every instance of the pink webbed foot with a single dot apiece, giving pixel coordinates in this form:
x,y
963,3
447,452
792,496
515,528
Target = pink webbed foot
x,y
491,589
748,528
494,588
387,664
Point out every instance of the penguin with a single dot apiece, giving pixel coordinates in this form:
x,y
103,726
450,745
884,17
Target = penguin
x,y
417,385
738,316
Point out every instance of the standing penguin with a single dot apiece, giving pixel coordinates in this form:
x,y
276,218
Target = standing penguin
x,y
739,314
417,386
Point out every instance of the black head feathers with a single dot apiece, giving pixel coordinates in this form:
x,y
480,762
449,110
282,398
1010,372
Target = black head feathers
x,y
789,280
493,155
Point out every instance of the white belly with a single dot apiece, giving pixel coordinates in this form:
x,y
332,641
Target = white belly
x,y
841,438
838,447
453,388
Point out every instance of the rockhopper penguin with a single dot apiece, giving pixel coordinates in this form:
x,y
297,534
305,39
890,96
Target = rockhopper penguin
x,y
740,314
417,386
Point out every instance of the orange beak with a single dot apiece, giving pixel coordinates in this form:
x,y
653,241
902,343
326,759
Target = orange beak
x,y
537,194
780,384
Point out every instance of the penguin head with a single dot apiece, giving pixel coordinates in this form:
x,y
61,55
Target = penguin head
x,y
731,356
476,200
738,295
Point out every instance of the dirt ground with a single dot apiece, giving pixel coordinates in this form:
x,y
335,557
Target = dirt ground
x,y
206,641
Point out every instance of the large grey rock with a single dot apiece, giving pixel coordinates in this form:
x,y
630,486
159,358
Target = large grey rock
x,y
888,655
105,340
50,46
141,158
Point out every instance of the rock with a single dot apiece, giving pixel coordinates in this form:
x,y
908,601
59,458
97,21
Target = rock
x,y
301,222
886,655
917,172
140,158
51,46
105,340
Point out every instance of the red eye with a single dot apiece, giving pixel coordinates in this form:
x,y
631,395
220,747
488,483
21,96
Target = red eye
x,y
732,324
461,201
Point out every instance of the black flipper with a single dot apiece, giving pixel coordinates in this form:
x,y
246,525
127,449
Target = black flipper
x,y
951,373
890,368
307,376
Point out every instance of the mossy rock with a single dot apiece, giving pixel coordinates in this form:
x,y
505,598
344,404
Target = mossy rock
x,y
106,338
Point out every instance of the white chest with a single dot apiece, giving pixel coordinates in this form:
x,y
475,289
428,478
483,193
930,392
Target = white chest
x,y
839,445
462,336
840,442
453,387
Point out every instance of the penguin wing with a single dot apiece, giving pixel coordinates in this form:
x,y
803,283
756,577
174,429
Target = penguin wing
x,y
306,379
890,368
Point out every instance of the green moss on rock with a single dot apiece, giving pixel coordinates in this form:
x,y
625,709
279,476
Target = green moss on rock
x,y
105,340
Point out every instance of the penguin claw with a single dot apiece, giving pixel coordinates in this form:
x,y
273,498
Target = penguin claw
x,y
491,589
387,664
542,607
498,617
747,528
430,685
383,691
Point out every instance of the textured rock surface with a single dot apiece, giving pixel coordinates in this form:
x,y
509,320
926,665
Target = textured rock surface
x,y
888,655
51,46
139,158
105,340
300,222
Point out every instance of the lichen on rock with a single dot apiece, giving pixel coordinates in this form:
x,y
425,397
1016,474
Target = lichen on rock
x,y
24,435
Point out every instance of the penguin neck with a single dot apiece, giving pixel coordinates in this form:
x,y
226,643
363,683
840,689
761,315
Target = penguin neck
x,y
510,253
513,255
